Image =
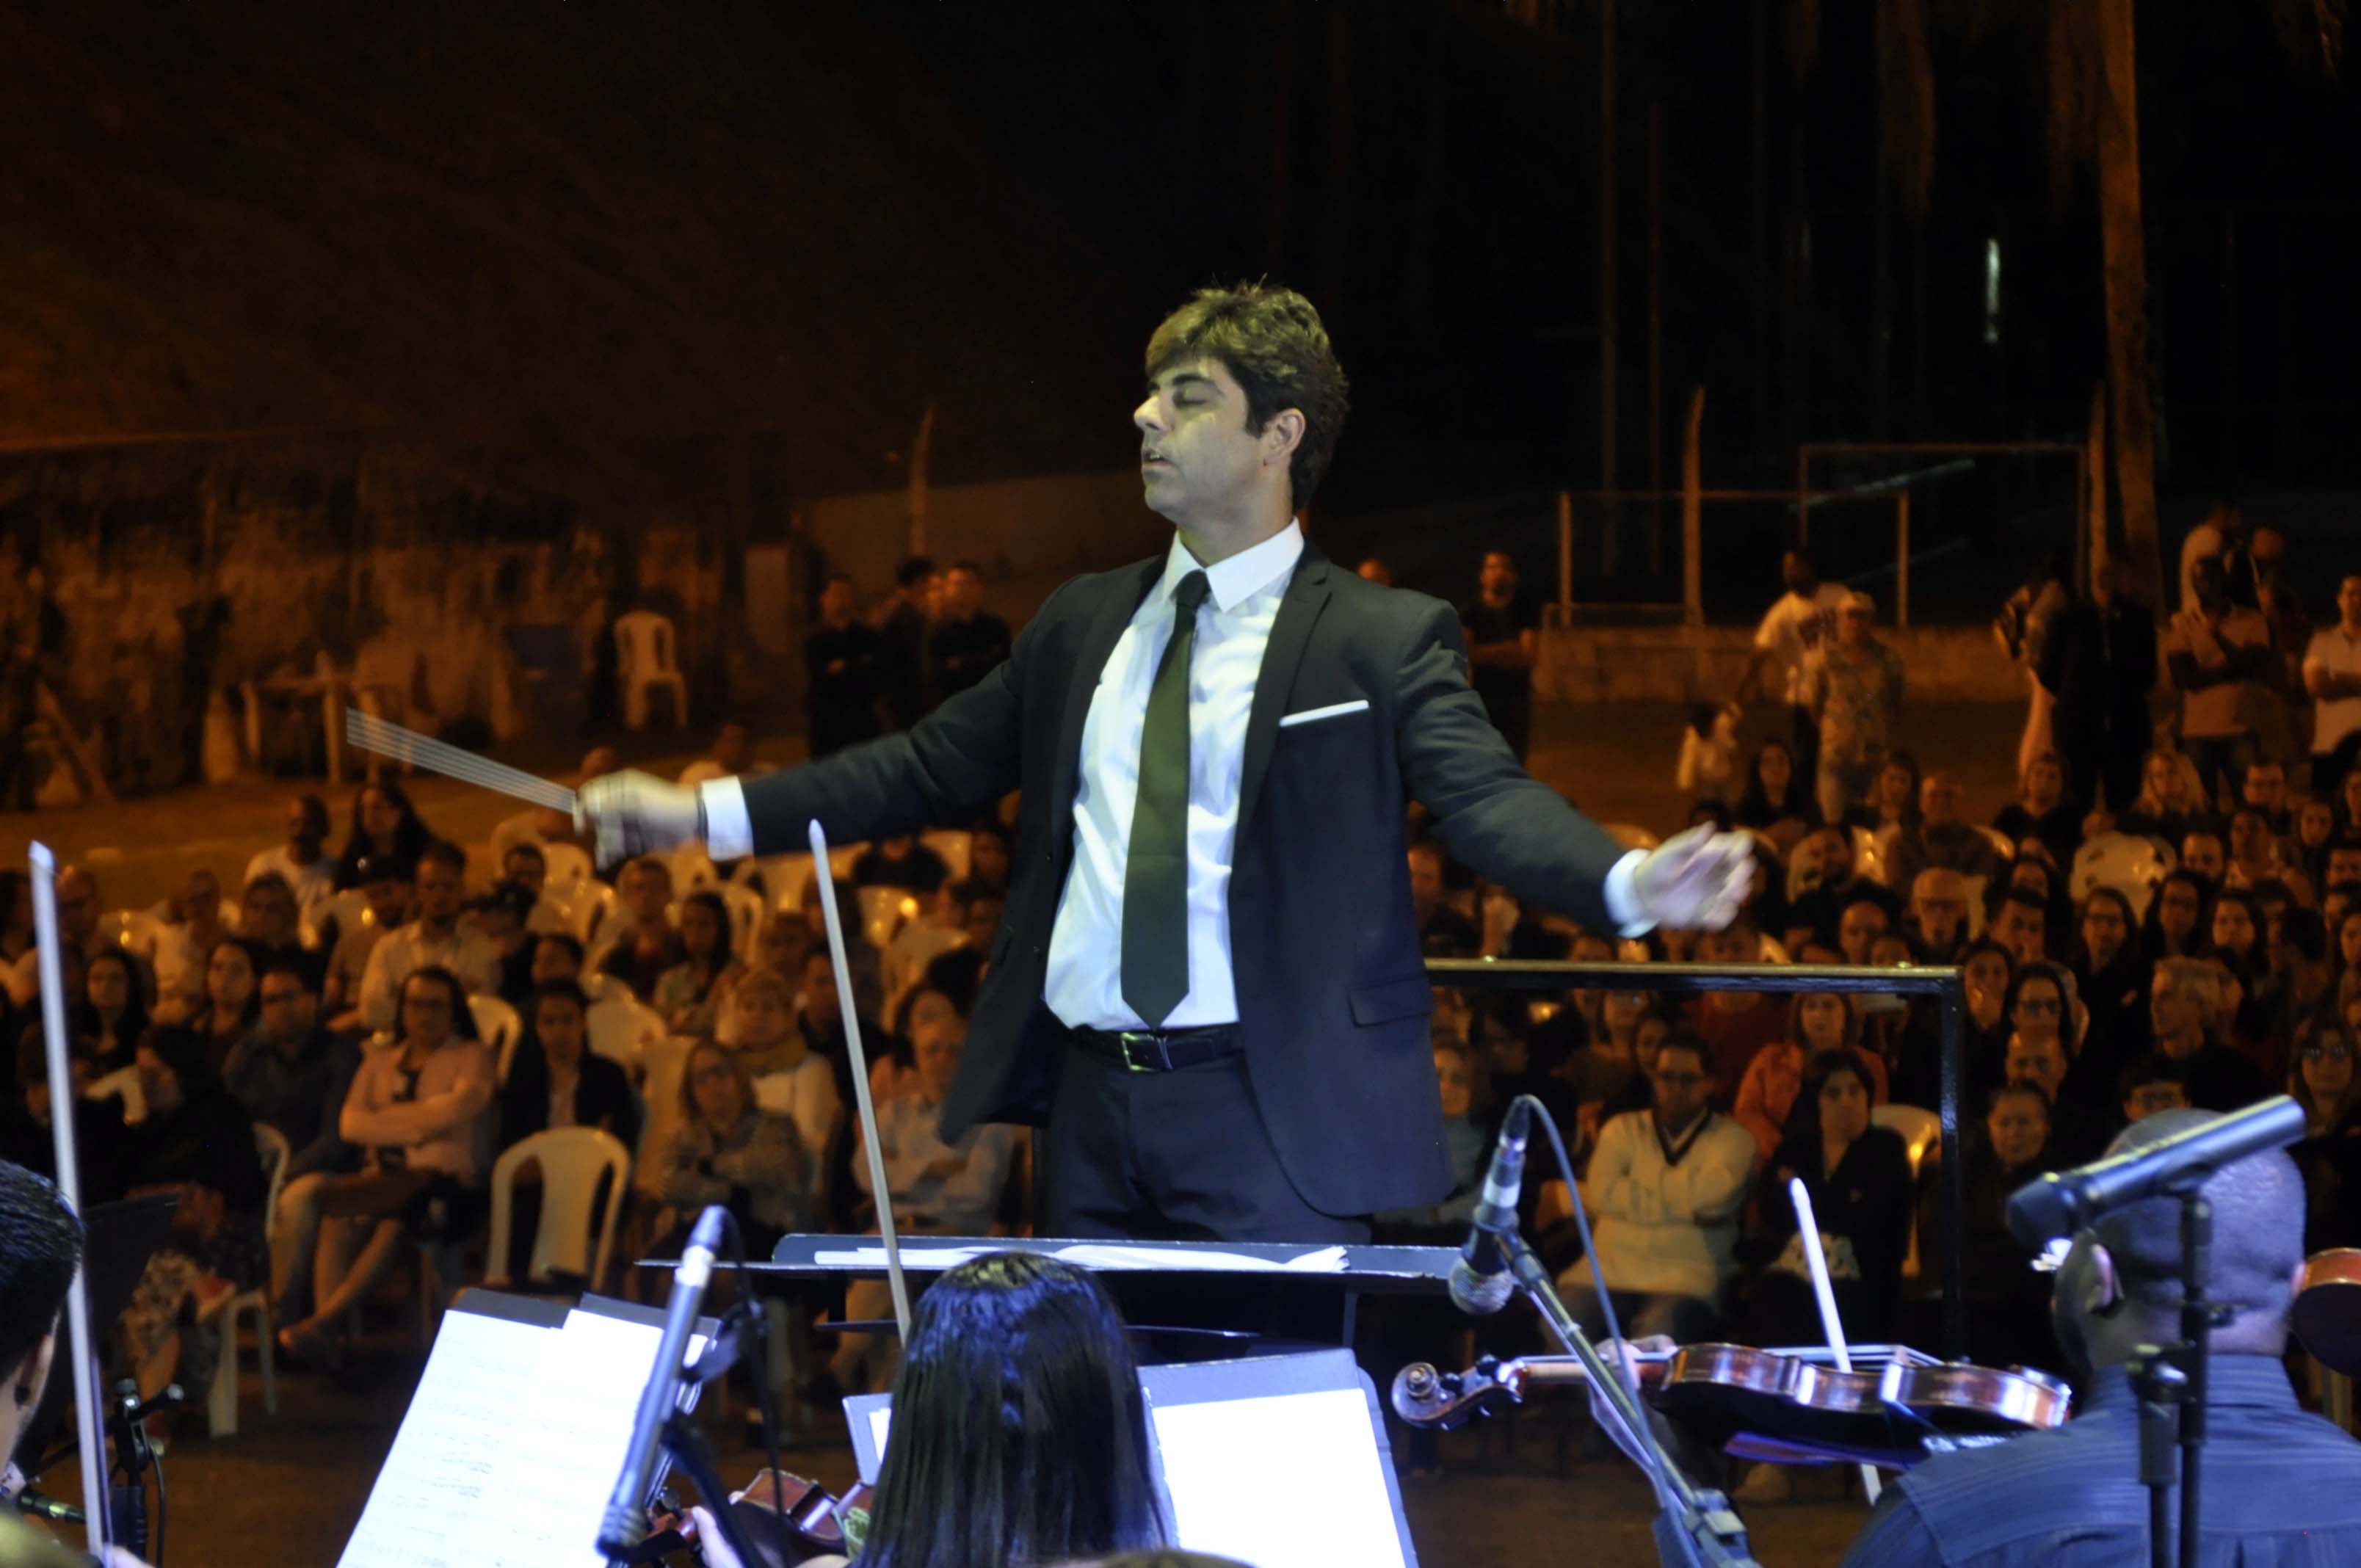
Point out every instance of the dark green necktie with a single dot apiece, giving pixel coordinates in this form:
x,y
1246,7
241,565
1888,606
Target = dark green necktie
x,y
1156,874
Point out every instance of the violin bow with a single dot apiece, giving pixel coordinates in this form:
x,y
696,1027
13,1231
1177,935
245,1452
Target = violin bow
x,y
1808,1228
91,1431
877,1188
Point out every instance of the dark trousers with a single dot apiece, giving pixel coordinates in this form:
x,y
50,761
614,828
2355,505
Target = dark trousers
x,y
1803,740
2114,768
2329,768
1169,1157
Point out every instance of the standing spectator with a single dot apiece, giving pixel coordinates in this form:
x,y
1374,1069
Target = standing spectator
x,y
2099,664
1942,837
2331,673
385,826
385,886
1853,687
1777,799
1709,746
436,938
690,993
845,660
2042,812
733,755
2025,628
2217,539
650,945
969,641
2219,656
1503,631
301,861
1663,1189
1801,622
905,627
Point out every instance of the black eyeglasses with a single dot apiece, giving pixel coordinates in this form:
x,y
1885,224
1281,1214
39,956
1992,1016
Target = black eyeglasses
x,y
2327,1053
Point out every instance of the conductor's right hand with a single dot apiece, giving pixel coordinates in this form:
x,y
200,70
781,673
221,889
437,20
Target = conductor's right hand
x,y
634,813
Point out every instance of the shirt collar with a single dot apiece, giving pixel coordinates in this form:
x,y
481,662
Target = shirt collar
x,y
2251,1380
1234,579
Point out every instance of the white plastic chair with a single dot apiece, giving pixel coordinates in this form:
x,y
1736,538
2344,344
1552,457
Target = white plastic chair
x,y
221,1400
745,907
2130,864
604,919
665,1061
349,910
956,848
1921,1132
1973,889
693,869
500,1028
644,662
566,863
621,1027
883,910
572,1161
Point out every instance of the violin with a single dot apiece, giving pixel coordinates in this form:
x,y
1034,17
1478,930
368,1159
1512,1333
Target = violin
x,y
2328,1310
1787,1406
814,1519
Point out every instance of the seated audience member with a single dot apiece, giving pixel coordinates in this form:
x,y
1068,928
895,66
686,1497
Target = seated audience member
x,y
1936,924
2264,791
1817,1021
2325,1084
2345,851
1469,1130
1777,799
1865,919
1892,808
1818,909
2202,851
2040,1052
2176,927
2315,824
1663,1190
2184,998
958,972
2152,1083
558,955
2167,807
557,1081
2114,975
789,1076
232,1006
80,903
292,1076
1986,975
1444,931
904,861
385,828
936,1187
940,926
192,924
2255,856
2042,811
1601,1066
112,1017
785,951
500,916
988,856
436,938
725,1148
1735,1025
1859,1178
301,861
1021,1433
417,1112
197,1143
2020,922
2007,1322
542,826
386,895
893,1067
689,994
649,945
269,918
1941,838
733,757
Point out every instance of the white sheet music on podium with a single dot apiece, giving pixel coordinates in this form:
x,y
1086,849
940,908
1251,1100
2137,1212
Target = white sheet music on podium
x,y
512,1441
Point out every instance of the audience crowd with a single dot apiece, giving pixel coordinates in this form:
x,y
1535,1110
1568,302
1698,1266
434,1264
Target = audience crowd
x,y
393,1049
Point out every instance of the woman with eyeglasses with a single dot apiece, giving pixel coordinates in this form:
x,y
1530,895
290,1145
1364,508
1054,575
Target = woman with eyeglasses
x,y
727,1149
1858,1176
1818,1021
2324,1082
2176,927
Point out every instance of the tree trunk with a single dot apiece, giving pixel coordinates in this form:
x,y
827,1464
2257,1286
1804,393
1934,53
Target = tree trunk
x,y
2123,249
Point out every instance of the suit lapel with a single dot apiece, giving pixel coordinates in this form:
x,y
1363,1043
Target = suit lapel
x,y
1307,595
1125,591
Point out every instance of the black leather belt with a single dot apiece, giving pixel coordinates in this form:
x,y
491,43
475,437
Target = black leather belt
x,y
1160,1050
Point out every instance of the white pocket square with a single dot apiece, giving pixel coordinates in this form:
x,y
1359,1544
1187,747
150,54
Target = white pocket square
x,y
1334,710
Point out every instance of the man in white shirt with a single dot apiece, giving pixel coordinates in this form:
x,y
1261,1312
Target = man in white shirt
x,y
2219,656
436,935
1207,985
1804,618
2331,673
1663,1190
302,861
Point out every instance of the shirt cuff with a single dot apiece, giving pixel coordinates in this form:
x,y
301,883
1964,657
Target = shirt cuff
x,y
728,832
1622,903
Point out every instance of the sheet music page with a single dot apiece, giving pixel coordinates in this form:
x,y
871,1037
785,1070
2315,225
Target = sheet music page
x,y
510,1445
1219,1458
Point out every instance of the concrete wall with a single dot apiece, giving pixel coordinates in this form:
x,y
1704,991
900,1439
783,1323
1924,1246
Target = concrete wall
x,y
1680,663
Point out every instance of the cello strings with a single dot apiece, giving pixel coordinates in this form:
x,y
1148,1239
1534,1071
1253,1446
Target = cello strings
x,y
387,739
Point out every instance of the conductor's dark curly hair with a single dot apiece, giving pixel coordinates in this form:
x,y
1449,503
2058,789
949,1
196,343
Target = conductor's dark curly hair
x,y
1272,342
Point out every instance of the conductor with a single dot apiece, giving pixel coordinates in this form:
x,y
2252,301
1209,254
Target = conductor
x,y
1208,989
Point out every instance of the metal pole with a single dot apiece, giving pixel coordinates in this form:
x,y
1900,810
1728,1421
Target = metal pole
x,y
1566,558
1693,513
1803,494
1902,557
1954,1177
1655,335
1607,341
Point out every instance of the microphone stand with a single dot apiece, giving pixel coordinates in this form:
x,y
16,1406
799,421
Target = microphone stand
x,y
1695,1528
691,1452
2171,1383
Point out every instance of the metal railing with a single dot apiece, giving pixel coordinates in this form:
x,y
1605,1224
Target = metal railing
x,y
1943,984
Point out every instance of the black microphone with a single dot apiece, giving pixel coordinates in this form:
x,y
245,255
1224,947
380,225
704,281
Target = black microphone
x,y
2063,1201
627,1521
1480,1285
35,1505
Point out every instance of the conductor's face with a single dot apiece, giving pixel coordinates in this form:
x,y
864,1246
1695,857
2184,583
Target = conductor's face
x,y
1196,458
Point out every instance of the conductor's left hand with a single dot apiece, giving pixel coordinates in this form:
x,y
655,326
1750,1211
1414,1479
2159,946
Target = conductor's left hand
x,y
1697,880
635,813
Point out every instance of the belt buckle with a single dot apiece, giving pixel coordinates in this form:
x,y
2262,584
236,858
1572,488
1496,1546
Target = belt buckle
x,y
1127,1038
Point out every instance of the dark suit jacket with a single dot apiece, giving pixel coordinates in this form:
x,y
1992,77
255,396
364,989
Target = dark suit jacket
x,y
1333,994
